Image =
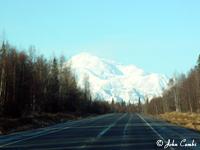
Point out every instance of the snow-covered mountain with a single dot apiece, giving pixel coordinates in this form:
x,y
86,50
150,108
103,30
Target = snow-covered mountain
x,y
110,80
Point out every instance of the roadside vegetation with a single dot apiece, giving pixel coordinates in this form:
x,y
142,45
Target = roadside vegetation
x,y
180,103
35,92
182,95
188,120
9,125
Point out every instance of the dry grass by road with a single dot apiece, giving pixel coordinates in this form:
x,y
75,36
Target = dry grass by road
x,y
188,120
9,125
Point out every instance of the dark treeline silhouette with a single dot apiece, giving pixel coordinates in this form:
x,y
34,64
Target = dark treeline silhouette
x,y
182,95
33,84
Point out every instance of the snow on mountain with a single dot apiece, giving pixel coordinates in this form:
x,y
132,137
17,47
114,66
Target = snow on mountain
x,y
111,80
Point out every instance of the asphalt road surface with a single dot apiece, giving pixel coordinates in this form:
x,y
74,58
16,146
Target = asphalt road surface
x,y
115,131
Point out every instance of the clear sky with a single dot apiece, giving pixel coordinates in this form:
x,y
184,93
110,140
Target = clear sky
x,y
156,35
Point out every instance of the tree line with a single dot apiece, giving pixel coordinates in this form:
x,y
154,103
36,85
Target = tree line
x,y
34,84
182,95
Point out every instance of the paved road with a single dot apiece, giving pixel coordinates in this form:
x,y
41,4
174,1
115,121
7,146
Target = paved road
x,y
106,132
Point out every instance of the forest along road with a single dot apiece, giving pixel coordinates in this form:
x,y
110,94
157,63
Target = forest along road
x,y
117,131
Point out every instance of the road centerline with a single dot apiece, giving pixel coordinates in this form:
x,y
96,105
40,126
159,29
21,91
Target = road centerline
x,y
103,132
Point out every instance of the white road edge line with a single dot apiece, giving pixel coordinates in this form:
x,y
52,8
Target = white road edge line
x,y
31,137
43,134
161,138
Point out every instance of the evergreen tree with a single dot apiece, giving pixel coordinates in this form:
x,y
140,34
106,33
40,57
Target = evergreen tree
x,y
53,88
2,75
198,62
139,105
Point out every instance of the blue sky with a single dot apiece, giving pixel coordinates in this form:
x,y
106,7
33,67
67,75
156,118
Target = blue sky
x,y
158,36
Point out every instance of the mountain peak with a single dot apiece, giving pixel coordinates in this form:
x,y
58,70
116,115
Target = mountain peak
x,y
84,55
109,79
